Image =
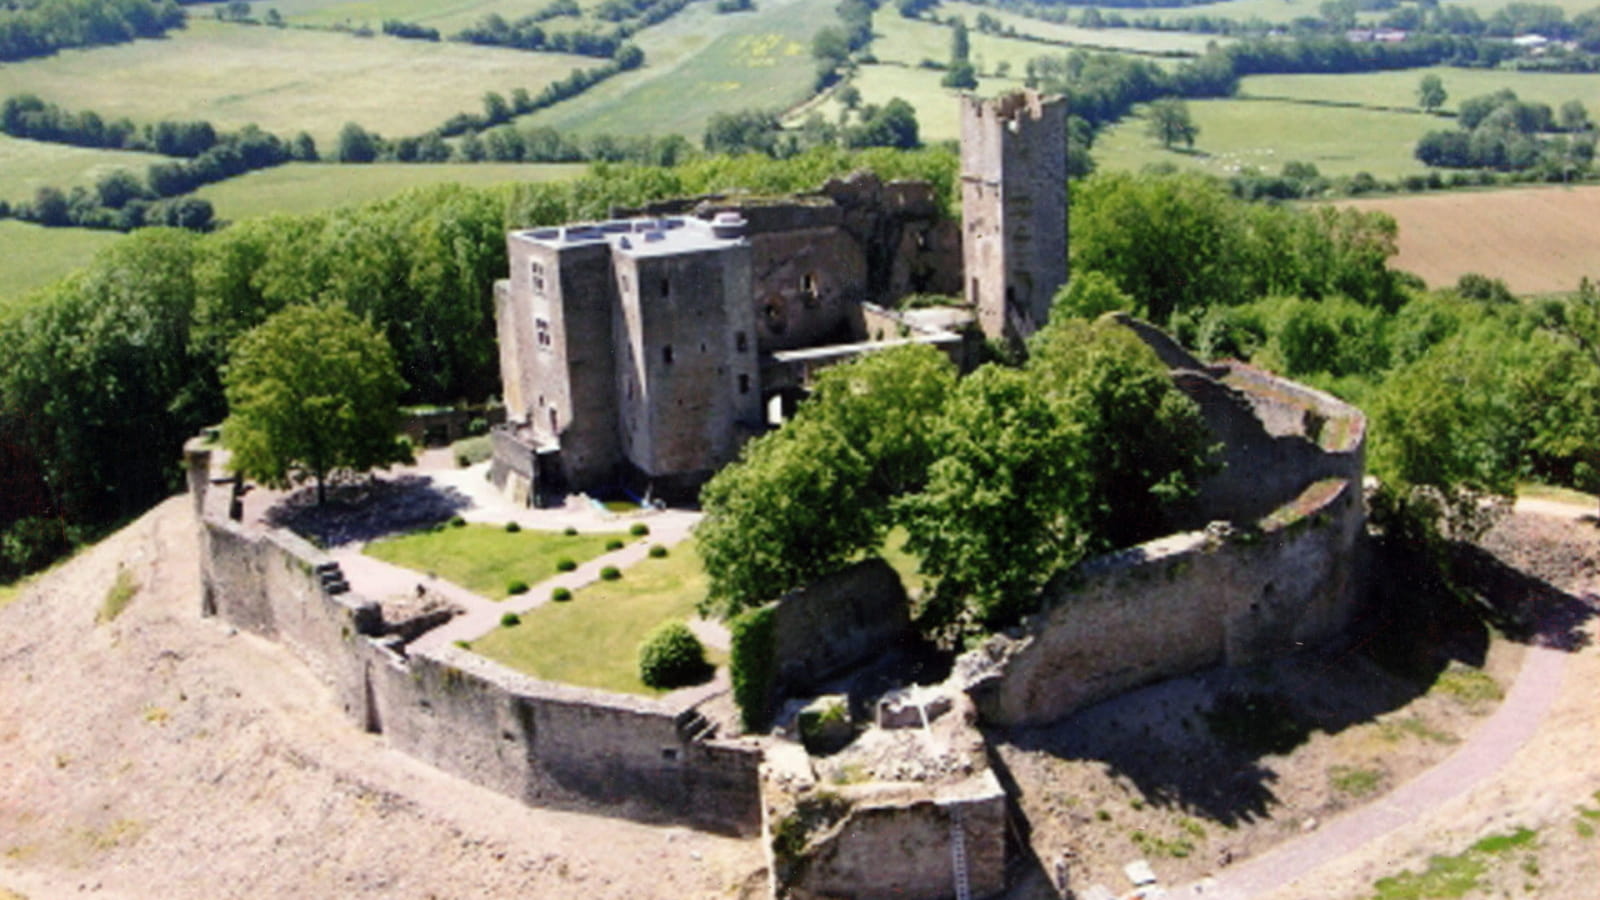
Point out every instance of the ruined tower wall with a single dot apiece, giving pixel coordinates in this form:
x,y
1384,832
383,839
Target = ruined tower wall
x,y
575,373
1014,208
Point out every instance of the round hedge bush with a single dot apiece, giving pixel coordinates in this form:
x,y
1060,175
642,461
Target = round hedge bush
x,y
639,529
517,587
513,527
657,551
570,531
510,619
457,522
565,564
672,657
613,544
561,595
610,573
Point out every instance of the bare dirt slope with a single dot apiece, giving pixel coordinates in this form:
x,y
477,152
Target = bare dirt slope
x,y
161,755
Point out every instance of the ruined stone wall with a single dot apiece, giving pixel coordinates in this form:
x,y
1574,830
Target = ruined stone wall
x,y
1176,605
561,746
837,622
901,846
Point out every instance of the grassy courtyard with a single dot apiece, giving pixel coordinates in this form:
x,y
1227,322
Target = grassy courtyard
x,y
593,639
485,559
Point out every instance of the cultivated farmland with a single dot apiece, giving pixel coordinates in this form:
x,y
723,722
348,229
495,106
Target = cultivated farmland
x,y
26,166
1537,240
699,63
1265,134
285,80
312,187
1399,89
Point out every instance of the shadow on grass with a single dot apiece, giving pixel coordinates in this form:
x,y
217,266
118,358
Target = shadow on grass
x,y
365,511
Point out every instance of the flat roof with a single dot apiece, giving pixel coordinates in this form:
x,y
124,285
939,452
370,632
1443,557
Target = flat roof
x,y
637,237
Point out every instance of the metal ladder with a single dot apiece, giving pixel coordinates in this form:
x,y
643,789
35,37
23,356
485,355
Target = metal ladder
x,y
958,855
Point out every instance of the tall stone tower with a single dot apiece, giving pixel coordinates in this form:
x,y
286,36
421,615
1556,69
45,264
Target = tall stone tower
x,y
1014,209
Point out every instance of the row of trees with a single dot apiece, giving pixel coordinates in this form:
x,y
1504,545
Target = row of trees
x,y
527,32
893,124
1499,131
28,116
41,27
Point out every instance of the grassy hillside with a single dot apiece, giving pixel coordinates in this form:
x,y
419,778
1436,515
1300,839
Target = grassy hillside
x,y
1266,134
1399,89
34,256
699,63
1141,40
285,80
309,187
448,17
26,166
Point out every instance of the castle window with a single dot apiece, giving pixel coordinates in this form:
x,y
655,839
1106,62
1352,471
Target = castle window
x,y
666,354
665,289
744,384
543,328
740,342
536,274
555,422
808,283
973,297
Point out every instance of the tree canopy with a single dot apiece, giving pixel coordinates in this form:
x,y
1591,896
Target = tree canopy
x,y
312,390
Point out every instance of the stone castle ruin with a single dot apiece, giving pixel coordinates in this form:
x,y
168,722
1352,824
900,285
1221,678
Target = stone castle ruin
x,y
643,351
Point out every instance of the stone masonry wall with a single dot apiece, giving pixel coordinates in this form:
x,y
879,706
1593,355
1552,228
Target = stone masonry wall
x,y
1177,605
839,621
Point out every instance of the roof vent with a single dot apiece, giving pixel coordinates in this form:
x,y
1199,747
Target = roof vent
x,y
728,224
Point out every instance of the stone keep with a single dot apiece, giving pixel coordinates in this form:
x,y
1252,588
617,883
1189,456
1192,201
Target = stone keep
x,y
1014,209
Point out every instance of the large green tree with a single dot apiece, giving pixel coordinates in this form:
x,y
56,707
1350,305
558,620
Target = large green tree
x,y
312,390
1170,123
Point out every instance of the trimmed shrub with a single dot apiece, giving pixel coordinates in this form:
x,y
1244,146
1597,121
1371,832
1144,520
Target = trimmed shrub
x,y
613,544
751,649
561,595
570,531
565,564
610,573
457,522
517,587
672,657
510,619
639,529
513,527
657,551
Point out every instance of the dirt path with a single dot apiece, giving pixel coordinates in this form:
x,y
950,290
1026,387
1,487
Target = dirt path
x,y
165,755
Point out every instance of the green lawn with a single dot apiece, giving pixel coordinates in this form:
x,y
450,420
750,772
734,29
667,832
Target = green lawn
x,y
938,113
699,63
26,166
1264,134
1399,89
32,256
486,558
285,80
1136,39
310,187
593,639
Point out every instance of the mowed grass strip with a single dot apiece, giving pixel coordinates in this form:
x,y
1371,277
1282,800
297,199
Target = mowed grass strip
x,y
32,256
26,166
285,80
698,64
1399,88
1537,240
313,187
1265,134
486,559
593,639
1141,40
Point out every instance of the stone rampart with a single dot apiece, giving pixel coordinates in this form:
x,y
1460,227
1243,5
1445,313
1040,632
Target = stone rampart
x,y
837,622
1176,605
545,744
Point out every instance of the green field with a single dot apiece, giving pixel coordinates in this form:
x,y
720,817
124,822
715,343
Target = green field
x,y
285,80
485,559
311,187
1265,134
699,63
1399,89
26,166
897,39
1135,39
938,113
447,17
32,256
593,639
